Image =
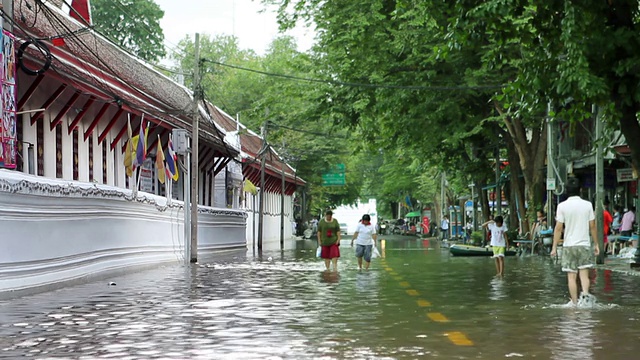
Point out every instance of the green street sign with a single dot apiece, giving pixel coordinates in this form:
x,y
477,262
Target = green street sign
x,y
335,176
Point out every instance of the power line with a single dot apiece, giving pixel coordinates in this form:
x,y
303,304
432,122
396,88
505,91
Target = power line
x,y
362,85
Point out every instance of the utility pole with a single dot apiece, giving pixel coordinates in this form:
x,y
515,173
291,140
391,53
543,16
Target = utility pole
x,y
262,166
551,177
282,202
195,173
498,188
599,184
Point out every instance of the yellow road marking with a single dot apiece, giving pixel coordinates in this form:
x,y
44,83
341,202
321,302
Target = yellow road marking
x,y
459,339
423,303
412,292
393,273
388,268
397,278
437,317
405,284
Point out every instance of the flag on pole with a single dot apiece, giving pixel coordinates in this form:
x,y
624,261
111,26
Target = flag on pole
x,y
141,149
249,187
128,152
172,162
407,200
160,161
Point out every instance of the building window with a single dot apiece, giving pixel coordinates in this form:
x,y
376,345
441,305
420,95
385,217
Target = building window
x,y
75,154
40,146
104,162
19,146
90,158
59,156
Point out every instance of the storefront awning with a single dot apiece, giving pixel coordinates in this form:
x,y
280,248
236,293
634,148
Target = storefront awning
x,y
413,214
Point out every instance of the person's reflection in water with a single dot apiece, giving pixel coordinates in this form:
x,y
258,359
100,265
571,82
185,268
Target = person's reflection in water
x,y
367,282
497,289
574,336
330,277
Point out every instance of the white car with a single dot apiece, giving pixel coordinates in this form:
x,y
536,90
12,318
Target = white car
x,y
343,228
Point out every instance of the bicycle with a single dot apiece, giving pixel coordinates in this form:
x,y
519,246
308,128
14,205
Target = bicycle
x,y
543,242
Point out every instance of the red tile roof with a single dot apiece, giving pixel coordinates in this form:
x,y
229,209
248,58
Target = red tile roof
x,y
251,143
95,65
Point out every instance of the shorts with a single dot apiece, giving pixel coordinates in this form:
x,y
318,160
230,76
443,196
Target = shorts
x,y
364,251
575,258
330,251
498,251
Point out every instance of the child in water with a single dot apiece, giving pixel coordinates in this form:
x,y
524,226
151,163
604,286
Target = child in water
x,y
499,241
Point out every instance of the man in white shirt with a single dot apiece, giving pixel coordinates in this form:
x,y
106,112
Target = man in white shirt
x,y
578,219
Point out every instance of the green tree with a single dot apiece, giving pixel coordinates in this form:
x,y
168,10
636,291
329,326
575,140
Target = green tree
x,y
132,24
245,84
401,84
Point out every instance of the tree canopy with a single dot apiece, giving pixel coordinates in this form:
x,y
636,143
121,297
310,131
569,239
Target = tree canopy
x,y
132,24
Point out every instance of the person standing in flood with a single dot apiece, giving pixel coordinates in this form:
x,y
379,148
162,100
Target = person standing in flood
x,y
329,240
578,219
365,238
499,241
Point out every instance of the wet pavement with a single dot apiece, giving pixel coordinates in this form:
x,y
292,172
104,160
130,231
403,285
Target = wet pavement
x,y
417,302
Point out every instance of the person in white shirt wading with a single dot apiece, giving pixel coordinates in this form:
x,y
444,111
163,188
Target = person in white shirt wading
x,y
579,221
365,238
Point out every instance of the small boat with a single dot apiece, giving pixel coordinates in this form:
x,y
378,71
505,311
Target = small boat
x,y
468,250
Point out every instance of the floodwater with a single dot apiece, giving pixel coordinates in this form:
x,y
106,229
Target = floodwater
x,y
417,302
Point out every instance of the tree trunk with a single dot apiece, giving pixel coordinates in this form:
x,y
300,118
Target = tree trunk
x,y
531,146
517,186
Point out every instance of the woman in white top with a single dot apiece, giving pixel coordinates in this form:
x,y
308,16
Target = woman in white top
x,y
365,238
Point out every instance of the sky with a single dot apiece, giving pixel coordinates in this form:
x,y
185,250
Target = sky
x,y
241,18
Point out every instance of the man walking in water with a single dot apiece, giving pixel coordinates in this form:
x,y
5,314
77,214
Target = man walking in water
x,y
579,221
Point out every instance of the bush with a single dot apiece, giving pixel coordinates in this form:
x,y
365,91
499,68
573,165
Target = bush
x,y
477,237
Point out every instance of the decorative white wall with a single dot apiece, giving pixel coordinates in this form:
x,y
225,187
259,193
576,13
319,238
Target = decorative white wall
x,y
57,230
271,218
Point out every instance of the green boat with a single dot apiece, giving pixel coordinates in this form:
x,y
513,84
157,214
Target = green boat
x,y
468,250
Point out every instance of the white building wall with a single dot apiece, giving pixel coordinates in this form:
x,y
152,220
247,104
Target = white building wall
x,y
28,136
271,230
70,230
49,138
83,154
112,167
97,156
219,190
67,149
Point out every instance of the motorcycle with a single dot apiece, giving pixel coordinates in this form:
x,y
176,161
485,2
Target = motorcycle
x,y
383,229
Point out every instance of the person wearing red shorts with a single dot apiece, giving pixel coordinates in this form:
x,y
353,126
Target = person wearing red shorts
x,y
329,240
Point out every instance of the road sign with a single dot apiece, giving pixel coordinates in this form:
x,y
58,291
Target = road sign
x,y
335,176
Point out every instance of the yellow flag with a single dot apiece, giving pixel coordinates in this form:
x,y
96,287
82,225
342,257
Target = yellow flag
x,y
129,153
160,161
249,187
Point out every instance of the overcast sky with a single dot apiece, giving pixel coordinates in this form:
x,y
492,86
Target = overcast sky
x,y
241,18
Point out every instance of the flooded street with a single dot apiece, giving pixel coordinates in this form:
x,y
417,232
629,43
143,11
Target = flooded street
x,y
416,302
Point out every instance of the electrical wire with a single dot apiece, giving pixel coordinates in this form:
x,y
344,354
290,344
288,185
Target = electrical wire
x,y
361,85
53,18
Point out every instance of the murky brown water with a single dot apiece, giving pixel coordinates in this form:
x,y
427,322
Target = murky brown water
x,y
416,303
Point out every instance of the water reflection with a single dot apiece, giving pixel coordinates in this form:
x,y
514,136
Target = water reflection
x,y
282,304
575,336
330,277
367,282
497,289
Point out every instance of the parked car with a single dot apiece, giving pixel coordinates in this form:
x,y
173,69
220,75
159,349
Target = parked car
x,y
343,228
